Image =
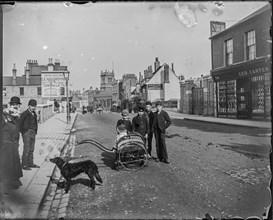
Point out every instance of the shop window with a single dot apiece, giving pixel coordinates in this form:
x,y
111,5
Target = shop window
x,y
227,102
39,91
22,92
250,45
258,94
229,52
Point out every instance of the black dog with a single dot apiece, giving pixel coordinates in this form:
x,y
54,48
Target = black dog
x,y
72,167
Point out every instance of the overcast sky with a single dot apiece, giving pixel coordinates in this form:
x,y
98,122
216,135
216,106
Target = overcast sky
x,y
94,37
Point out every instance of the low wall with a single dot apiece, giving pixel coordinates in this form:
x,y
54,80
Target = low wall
x,y
44,112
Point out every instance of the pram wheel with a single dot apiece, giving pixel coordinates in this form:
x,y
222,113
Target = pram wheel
x,y
132,156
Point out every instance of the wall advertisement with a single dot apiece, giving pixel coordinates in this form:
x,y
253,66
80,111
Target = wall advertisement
x,y
52,84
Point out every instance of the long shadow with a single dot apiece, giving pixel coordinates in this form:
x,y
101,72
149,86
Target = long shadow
x,y
61,120
220,128
109,159
82,181
252,151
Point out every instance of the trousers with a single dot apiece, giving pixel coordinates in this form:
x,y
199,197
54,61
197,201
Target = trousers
x,y
150,138
29,143
161,149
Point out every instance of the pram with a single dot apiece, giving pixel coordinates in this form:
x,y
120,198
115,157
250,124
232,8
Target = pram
x,y
131,152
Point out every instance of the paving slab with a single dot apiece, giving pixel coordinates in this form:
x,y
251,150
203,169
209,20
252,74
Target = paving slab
x,y
52,136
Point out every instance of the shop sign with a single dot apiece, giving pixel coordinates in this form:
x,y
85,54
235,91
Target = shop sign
x,y
155,86
242,71
253,71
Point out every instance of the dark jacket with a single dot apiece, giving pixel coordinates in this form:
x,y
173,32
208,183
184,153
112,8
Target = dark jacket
x,y
161,121
140,124
150,116
25,122
127,124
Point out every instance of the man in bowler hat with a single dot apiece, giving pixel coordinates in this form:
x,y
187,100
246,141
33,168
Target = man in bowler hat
x,y
28,129
161,122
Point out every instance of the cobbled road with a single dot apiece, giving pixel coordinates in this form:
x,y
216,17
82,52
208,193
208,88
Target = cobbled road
x,y
216,169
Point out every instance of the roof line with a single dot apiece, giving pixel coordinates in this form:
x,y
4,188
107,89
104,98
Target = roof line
x,y
257,12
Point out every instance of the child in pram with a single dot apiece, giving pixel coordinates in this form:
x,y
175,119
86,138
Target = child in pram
x,y
122,131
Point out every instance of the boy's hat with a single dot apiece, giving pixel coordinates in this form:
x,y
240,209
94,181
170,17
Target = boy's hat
x,y
140,109
125,113
15,100
32,102
148,103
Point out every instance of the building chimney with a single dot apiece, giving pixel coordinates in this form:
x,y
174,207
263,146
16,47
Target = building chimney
x,y
27,76
14,75
166,74
156,64
172,67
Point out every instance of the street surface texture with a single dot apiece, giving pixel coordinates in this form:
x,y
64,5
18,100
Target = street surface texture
x,y
217,169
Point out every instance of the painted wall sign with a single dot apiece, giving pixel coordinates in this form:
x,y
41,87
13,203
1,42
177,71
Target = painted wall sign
x,y
155,86
51,84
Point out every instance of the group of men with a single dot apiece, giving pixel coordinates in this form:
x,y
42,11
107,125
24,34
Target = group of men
x,y
148,124
28,126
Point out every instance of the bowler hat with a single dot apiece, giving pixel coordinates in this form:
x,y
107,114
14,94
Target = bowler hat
x,y
125,113
15,100
158,103
148,103
32,102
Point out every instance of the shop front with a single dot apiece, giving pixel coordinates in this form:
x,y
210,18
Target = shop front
x,y
243,90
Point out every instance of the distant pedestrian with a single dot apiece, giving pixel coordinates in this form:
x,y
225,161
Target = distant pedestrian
x,y
140,123
11,170
161,122
125,120
56,106
29,128
150,116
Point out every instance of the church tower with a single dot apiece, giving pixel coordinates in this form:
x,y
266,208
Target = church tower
x,y
106,79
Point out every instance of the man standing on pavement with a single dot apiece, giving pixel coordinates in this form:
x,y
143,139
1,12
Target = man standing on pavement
x,y
28,129
161,122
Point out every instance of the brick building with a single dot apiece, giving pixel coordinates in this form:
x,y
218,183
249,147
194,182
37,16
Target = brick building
x,y
116,94
29,85
241,67
197,96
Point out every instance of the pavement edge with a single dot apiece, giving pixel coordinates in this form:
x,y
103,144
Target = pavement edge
x,y
53,152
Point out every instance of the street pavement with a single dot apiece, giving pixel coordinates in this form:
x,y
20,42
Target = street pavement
x,y
51,139
228,121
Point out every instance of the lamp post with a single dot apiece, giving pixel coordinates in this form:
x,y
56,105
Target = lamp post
x,y
68,117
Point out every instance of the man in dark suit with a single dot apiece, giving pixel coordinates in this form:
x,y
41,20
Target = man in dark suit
x,y
150,117
161,122
28,128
